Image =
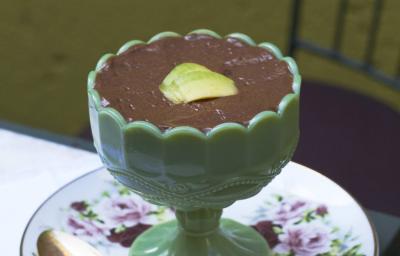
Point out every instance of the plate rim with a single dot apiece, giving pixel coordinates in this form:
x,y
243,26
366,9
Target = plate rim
x,y
22,240
374,233
371,224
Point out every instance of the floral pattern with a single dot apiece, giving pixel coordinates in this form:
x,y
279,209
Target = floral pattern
x,y
292,226
116,217
303,240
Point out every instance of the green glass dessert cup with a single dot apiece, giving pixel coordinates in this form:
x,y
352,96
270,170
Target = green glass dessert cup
x,y
197,173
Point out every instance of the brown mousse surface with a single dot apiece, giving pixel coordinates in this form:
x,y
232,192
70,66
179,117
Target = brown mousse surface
x,y
130,82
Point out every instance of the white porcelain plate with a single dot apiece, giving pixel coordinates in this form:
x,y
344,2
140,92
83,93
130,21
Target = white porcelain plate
x,y
300,212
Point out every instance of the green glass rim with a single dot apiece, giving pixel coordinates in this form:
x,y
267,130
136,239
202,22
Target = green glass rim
x,y
95,98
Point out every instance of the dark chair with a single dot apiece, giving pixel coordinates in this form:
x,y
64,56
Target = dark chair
x,y
351,138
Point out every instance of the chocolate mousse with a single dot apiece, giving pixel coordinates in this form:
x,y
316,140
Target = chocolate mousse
x,y
130,81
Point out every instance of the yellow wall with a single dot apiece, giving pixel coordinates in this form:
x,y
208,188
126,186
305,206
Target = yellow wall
x,y
47,47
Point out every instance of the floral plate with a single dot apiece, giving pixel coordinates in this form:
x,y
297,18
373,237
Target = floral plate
x,y
300,213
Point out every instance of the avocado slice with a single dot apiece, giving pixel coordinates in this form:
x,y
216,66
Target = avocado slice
x,y
189,82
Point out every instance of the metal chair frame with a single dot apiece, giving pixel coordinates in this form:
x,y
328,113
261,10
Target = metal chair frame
x,y
365,65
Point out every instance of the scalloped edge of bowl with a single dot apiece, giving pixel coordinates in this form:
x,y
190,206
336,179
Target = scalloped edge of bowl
x,y
151,128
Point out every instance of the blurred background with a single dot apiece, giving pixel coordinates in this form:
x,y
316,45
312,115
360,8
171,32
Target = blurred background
x,y
348,53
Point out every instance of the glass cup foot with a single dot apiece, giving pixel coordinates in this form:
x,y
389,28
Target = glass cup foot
x,y
229,239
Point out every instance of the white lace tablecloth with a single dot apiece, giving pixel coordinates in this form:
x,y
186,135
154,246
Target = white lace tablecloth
x,y
31,169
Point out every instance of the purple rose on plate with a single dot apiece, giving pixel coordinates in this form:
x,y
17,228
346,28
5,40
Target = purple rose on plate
x,y
126,237
86,227
321,210
266,229
125,210
304,240
79,206
289,211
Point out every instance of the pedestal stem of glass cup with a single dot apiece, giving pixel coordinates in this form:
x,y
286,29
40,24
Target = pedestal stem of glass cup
x,y
201,222
200,232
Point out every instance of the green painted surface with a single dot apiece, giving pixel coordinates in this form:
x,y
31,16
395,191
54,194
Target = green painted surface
x,y
47,47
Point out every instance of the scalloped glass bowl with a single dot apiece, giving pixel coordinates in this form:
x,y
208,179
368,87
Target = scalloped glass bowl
x,y
197,173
